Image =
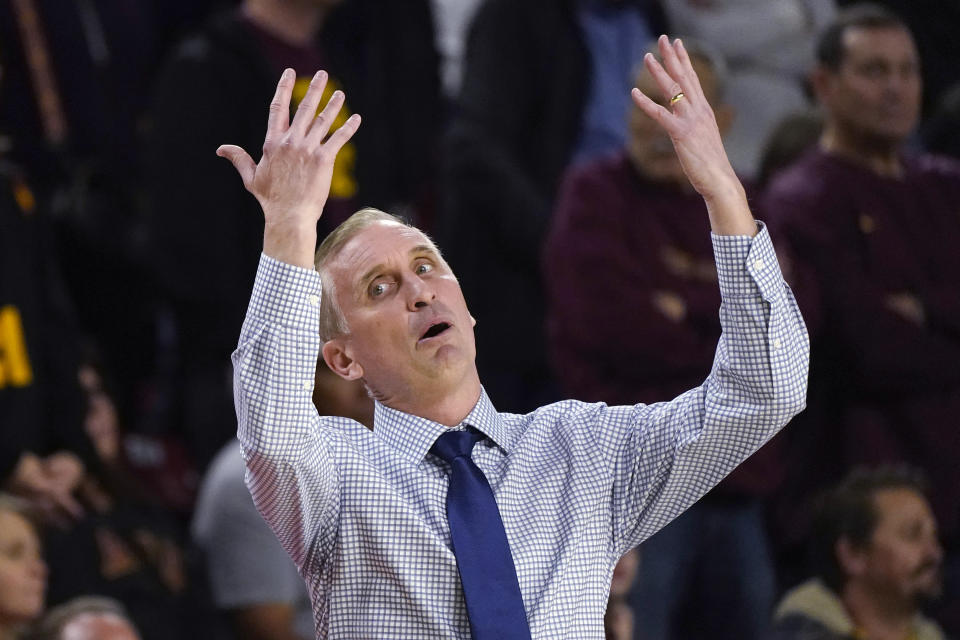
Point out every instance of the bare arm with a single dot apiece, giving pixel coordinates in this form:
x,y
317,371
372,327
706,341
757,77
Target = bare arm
x,y
696,138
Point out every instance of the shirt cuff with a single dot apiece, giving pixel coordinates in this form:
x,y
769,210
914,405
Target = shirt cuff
x,y
286,294
747,265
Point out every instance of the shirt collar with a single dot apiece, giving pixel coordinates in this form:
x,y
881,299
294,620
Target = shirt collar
x,y
412,436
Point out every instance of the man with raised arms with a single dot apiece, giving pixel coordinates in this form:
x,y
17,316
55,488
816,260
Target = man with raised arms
x,y
450,519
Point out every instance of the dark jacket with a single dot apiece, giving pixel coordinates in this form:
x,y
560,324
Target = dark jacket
x,y
41,408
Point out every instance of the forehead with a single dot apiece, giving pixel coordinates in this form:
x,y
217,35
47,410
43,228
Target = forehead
x,y
899,505
869,42
13,526
377,244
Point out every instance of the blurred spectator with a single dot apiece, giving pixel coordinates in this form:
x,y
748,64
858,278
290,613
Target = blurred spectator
x,y
878,227
618,623
40,401
876,560
933,24
632,223
452,19
215,89
76,79
124,545
545,81
23,574
253,580
86,618
768,45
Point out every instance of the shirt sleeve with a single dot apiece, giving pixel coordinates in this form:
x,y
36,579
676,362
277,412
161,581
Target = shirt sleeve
x,y
667,455
290,472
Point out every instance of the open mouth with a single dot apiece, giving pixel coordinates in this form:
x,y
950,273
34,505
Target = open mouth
x,y
435,330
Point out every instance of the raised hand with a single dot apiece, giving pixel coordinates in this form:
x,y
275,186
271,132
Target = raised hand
x,y
292,180
692,126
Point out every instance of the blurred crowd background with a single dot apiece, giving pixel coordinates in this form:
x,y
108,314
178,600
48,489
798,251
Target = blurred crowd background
x,y
504,129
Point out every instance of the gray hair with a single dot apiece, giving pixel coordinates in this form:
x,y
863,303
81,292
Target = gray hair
x,y
51,626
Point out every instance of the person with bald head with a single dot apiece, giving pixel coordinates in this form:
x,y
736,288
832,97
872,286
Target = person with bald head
x,y
86,618
450,519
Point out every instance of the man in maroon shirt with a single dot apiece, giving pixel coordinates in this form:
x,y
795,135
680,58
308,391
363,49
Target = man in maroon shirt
x,y
631,224
879,228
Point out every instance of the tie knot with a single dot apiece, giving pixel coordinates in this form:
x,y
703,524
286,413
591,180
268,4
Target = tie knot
x,y
454,444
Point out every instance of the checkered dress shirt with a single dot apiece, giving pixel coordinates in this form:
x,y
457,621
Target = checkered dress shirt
x,y
362,512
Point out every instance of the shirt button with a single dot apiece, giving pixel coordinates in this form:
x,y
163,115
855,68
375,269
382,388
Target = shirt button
x,y
307,385
314,300
776,343
758,264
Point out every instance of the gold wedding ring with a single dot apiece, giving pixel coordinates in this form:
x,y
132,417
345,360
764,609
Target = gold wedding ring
x,y
677,98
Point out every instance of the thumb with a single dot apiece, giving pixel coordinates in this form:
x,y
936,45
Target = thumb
x,y
241,161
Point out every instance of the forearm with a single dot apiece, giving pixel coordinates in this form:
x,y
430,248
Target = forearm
x,y
757,384
728,209
290,471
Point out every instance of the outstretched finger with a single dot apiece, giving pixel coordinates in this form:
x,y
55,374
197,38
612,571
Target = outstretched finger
x,y
669,87
241,161
308,106
279,118
657,112
324,120
342,135
692,79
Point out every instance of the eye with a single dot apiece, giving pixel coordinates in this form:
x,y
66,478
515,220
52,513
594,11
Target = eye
x,y
422,268
379,288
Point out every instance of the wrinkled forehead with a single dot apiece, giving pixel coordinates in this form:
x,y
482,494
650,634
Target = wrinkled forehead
x,y
379,243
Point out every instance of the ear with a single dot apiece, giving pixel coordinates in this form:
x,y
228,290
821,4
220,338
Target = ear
x,y
724,114
820,83
852,561
338,358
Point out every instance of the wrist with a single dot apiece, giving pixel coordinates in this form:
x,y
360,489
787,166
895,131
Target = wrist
x,y
291,241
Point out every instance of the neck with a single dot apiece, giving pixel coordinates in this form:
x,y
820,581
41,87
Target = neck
x,y
294,21
880,615
448,407
881,157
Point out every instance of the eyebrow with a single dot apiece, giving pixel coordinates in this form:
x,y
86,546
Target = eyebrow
x,y
372,273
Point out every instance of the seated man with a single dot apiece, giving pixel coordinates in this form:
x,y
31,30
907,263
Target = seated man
x,y
450,518
877,560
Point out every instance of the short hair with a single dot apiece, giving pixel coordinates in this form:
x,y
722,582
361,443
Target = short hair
x,y
848,511
831,50
51,626
332,322
791,137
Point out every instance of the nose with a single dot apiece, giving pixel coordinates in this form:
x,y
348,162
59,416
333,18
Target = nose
x,y
420,294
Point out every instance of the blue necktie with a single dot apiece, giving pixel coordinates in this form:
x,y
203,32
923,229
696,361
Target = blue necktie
x,y
489,579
